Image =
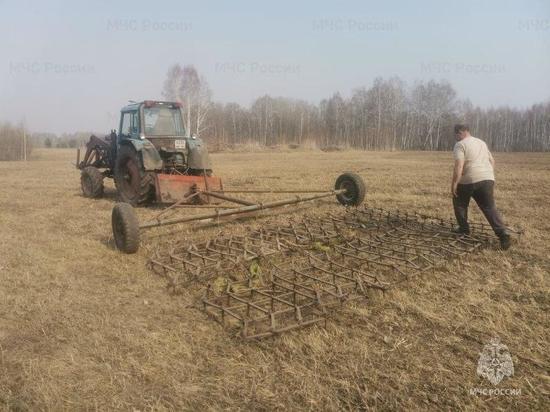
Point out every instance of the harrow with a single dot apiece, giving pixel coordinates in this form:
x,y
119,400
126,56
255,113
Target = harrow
x,y
308,266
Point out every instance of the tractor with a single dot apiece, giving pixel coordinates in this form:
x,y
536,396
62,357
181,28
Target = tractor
x,y
151,158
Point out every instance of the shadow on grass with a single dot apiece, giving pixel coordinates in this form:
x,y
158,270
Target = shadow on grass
x,y
109,242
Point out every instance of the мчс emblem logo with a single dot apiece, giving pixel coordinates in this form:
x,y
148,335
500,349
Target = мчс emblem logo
x,y
495,362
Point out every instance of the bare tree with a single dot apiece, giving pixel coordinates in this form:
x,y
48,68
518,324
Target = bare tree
x,y
388,115
184,85
13,142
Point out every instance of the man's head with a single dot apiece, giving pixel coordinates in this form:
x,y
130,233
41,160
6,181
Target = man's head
x,y
461,131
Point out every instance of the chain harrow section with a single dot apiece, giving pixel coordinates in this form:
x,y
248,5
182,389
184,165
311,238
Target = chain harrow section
x,y
184,263
296,293
282,277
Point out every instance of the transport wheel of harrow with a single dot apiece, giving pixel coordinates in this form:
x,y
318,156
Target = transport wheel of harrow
x,y
355,189
91,182
134,185
125,228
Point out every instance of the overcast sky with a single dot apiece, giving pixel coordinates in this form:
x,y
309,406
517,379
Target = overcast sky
x,y
71,65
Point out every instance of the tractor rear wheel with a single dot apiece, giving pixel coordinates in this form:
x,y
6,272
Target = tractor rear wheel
x,y
91,182
355,189
134,185
125,228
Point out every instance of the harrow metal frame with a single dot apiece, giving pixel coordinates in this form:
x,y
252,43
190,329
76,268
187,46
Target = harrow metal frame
x,y
310,265
349,190
248,206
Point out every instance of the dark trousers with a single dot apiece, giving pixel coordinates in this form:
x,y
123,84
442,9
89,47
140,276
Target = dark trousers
x,y
482,192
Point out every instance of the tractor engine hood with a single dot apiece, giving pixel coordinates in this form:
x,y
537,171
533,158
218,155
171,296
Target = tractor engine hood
x,y
197,155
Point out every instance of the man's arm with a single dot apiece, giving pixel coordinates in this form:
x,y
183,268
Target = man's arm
x,y
457,174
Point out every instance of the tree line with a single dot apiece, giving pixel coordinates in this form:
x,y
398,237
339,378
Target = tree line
x,y
15,144
64,140
389,115
386,116
15,139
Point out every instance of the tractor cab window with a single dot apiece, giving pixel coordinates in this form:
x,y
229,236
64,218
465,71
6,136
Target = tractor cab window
x,y
130,124
163,121
125,126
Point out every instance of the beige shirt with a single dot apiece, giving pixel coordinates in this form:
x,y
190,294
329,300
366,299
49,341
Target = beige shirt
x,y
477,160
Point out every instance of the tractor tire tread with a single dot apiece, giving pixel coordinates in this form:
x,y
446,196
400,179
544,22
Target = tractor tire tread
x,y
146,191
95,180
358,184
125,228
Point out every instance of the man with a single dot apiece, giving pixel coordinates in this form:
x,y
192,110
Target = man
x,y
473,176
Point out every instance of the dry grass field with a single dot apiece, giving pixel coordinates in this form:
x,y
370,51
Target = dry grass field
x,y
84,327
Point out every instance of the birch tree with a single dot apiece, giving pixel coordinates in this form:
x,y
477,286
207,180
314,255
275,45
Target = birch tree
x,y
184,85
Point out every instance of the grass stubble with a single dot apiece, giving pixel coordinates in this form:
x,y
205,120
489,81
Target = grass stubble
x,y
83,326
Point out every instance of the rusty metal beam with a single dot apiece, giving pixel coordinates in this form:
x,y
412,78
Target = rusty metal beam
x,y
245,209
229,198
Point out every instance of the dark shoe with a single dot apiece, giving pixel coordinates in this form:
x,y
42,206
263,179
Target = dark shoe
x,y
460,231
505,241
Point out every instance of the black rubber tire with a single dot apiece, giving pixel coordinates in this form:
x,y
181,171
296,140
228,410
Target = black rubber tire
x,y
134,185
355,189
125,228
91,182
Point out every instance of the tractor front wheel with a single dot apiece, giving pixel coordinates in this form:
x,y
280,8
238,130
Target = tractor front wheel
x,y
134,185
91,182
355,189
125,228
